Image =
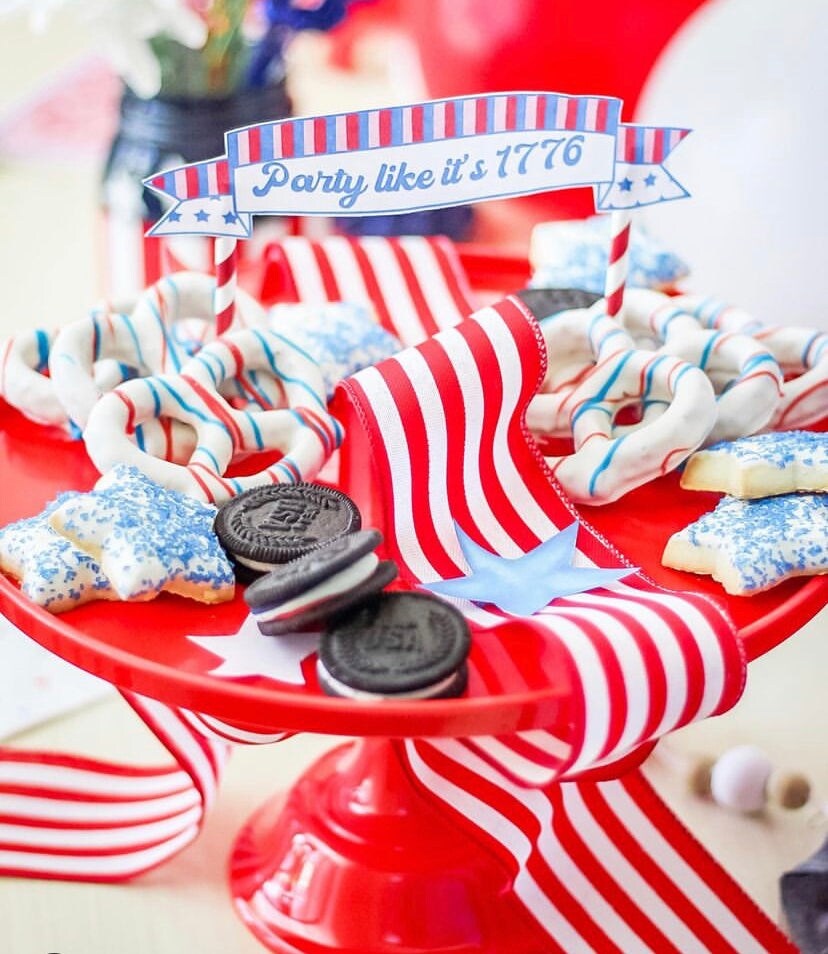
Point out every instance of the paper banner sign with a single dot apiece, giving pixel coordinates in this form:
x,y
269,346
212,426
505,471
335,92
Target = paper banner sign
x,y
428,155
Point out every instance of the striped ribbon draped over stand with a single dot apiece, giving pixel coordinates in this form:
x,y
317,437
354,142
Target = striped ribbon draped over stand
x,y
597,859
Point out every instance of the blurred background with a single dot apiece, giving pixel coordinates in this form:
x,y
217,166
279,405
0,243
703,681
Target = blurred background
x,y
749,80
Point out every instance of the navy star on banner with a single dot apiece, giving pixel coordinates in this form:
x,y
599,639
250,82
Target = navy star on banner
x,y
640,176
205,204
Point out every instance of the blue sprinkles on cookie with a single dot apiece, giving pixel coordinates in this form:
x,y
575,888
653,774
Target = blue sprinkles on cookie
x,y
777,449
767,540
53,572
342,337
575,254
150,538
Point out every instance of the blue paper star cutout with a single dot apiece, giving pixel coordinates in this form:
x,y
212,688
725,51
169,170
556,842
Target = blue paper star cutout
x,y
625,185
525,584
650,180
230,218
174,216
202,216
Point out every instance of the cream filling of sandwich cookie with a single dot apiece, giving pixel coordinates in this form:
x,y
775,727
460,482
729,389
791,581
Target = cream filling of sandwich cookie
x,y
339,583
341,689
255,564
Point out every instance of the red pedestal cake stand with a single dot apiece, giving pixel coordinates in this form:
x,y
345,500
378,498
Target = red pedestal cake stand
x,y
353,859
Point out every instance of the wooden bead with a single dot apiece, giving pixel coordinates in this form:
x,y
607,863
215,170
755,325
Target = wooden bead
x,y
790,790
698,780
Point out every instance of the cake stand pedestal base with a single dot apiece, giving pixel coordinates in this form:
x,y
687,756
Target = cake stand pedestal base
x,y
355,861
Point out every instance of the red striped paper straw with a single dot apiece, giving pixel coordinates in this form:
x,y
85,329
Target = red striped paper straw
x,y
617,265
225,256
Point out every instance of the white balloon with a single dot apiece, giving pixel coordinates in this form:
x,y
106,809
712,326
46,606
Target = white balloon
x,y
749,77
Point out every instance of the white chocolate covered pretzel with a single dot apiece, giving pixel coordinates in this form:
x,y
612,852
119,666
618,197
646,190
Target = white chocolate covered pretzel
x,y
712,313
575,340
802,354
23,383
678,408
651,316
745,376
267,370
144,338
302,429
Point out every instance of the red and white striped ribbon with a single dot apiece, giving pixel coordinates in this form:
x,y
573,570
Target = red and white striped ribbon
x,y
617,266
415,285
602,865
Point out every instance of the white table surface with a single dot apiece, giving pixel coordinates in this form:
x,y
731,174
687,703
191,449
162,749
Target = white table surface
x,y
47,250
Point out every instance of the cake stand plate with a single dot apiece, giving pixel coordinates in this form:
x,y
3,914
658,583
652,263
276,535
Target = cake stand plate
x,y
353,859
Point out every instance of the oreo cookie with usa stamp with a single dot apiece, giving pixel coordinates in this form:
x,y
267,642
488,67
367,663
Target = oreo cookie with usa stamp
x,y
303,593
268,526
396,646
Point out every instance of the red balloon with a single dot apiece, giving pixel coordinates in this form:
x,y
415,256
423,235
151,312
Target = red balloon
x,y
480,46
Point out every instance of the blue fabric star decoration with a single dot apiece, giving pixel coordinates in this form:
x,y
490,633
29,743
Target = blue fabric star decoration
x,y
625,185
650,180
174,216
202,216
525,584
230,218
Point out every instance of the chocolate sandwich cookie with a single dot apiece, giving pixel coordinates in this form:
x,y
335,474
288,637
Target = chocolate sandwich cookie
x,y
267,526
397,646
301,594
545,302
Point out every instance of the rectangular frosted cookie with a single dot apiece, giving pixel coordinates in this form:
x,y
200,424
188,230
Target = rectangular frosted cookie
x,y
751,545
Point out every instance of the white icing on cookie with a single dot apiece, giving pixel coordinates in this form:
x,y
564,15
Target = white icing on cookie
x,y
751,545
53,572
762,465
146,539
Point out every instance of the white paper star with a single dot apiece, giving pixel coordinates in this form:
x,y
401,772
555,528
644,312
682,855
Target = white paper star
x,y
250,653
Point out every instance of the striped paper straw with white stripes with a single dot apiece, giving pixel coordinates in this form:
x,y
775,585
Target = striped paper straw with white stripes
x,y
618,260
225,256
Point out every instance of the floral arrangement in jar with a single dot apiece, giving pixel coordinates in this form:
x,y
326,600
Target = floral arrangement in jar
x,y
191,69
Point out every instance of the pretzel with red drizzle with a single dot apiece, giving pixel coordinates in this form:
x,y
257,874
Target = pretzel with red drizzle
x,y
301,429
678,410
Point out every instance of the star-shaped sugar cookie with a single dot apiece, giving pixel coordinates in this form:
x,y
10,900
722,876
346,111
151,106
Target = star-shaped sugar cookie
x,y
751,545
780,462
53,572
147,539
